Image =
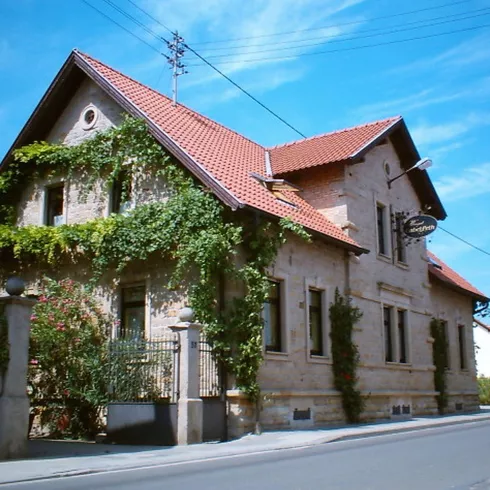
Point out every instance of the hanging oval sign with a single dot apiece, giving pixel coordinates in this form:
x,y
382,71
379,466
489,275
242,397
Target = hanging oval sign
x,y
419,226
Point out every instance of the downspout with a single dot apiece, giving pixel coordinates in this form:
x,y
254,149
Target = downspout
x,y
347,257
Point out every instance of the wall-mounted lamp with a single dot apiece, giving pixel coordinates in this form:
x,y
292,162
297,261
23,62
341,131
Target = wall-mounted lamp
x,y
422,164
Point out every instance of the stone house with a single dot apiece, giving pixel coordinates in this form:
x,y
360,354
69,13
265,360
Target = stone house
x,y
336,186
481,332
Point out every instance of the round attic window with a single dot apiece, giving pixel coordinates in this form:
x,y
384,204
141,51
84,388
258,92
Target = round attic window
x,y
89,117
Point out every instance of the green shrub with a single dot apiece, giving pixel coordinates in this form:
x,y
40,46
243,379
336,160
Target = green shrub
x,y
484,390
68,359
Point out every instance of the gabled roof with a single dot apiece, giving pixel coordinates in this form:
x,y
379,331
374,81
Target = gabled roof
x,y
338,146
442,272
482,325
221,158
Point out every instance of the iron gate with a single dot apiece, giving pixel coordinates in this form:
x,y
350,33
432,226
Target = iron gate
x,y
212,392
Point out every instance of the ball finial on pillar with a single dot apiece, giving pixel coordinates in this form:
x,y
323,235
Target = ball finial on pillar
x,y
186,315
15,286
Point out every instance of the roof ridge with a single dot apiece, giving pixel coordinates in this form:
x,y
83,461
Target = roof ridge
x,y
337,131
183,106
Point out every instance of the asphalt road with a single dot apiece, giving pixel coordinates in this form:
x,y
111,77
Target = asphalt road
x,y
455,457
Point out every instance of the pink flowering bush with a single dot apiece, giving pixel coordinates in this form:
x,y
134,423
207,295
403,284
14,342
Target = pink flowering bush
x,y
68,359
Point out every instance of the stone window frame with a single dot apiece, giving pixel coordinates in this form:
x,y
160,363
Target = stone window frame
x,y
396,302
283,354
397,239
327,295
43,218
131,203
387,238
119,298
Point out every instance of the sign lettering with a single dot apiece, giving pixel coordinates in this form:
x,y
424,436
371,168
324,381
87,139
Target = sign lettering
x,y
419,226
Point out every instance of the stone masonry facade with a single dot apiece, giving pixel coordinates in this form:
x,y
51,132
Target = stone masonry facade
x,y
292,381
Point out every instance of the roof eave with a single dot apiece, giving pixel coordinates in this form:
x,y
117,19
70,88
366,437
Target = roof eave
x,y
457,288
356,249
421,177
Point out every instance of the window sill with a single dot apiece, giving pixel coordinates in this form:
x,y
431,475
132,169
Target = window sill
x,y
276,356
319,359
397,365
402,265
384,258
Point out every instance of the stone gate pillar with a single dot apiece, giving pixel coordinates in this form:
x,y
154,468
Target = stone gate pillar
x,y
189,406
14,403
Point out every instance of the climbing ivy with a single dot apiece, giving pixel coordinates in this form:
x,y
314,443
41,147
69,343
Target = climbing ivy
x,y
191,229
439,356
345,355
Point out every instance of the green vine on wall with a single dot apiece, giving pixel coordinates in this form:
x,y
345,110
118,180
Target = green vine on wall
x,y
345,355
439,356
191,229
4,343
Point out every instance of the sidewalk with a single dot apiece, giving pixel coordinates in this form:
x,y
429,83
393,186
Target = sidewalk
x,y
50,459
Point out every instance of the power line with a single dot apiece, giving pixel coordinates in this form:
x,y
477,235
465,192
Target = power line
x,y
331,25
352,48
150,16
202,59
245,92
353,38
122,27
464,241
136,21
336,36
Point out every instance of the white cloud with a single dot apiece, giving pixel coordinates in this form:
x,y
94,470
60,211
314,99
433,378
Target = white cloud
x,y
470,183
200,21
469,52
428,134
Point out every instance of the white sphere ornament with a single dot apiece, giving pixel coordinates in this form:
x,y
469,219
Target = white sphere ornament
x,y
15,286
186,315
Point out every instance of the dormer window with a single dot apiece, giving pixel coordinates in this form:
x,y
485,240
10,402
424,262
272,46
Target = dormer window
x,y
54,206
277,187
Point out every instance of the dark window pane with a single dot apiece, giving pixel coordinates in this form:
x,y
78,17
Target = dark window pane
x,y
133,309
402,335
462,345
380,212
400,244
388,334
121,193
272,318
54,206
315,315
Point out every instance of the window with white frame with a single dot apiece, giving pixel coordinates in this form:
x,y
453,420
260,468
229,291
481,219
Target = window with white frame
x,y
272,316
315,320
396,335
54,205
382,229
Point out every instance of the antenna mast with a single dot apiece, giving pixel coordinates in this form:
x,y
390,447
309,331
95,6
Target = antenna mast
x,y
176,47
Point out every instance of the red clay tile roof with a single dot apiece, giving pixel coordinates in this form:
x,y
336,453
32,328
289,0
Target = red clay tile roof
x,y
326,148
445,274
225,154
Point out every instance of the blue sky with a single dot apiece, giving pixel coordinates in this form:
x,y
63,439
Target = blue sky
x,y
441,84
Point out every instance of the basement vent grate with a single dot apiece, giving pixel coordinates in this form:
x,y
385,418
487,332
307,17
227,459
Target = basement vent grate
x,y
302,414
